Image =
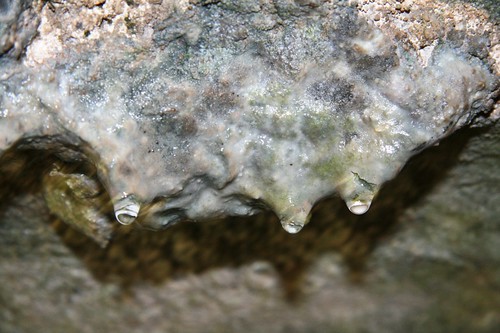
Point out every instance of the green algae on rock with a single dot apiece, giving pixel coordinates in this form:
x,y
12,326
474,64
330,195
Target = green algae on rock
x,y
226,109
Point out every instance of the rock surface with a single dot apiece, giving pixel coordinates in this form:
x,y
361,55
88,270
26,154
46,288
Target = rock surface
x,y
193,110
424,259
212,109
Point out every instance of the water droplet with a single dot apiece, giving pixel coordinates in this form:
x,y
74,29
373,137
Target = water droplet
x,y
292,227
358,207
358,194
294,217
127,209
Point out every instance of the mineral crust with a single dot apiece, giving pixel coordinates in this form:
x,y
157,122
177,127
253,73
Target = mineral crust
x,y
190,111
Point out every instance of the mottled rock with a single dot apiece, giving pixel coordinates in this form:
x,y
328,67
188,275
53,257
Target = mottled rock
x,y
424,259
226,108
18,25
157,112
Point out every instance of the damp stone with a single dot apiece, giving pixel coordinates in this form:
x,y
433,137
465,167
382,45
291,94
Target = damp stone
x,y
213,109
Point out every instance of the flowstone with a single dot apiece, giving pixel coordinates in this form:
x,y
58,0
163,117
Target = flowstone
x,y
215,108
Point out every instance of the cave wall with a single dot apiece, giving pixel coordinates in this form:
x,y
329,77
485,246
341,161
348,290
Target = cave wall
x,y
424,258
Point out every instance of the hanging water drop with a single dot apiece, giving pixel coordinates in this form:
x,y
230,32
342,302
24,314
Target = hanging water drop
x,y
127,209
292,227
294,216
358,193
294,223
358,207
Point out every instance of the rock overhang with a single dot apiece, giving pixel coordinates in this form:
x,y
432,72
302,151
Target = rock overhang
x,y
228,108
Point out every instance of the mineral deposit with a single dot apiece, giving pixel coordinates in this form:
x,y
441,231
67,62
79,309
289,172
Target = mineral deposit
x,y
190,111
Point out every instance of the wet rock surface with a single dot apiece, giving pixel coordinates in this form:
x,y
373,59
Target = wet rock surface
x,y
424,258
152,113
228,108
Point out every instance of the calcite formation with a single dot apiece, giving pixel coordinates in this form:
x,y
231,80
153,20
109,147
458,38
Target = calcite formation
x,y
190,111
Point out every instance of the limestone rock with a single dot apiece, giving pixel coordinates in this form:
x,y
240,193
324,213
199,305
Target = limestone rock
x,y
156,112
203,110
